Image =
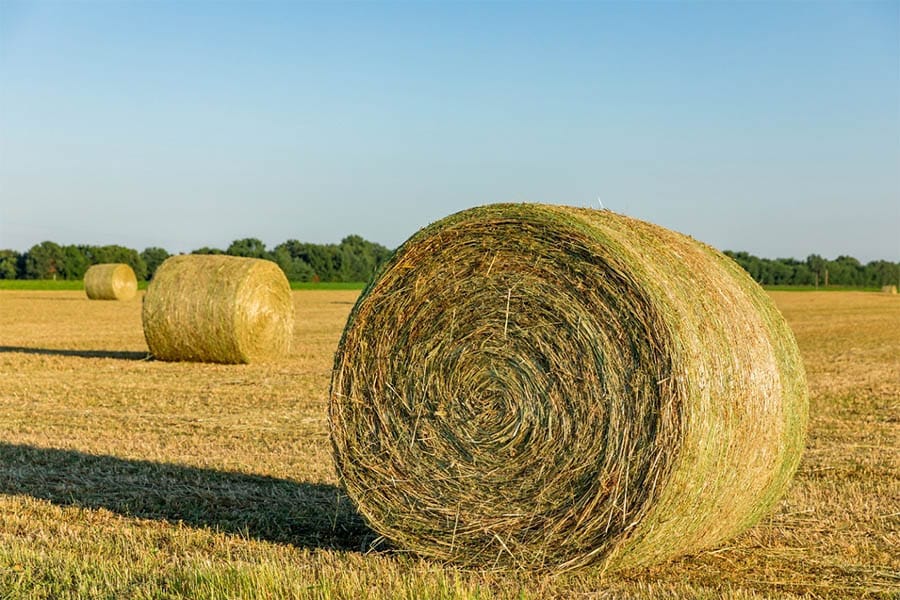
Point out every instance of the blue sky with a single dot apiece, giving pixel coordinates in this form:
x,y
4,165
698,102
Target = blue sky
x,y
767,127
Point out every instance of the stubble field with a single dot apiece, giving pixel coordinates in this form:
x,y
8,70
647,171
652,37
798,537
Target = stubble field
x,y
122,477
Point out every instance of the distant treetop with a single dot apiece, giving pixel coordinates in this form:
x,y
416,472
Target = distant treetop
x,y
356,259
817,271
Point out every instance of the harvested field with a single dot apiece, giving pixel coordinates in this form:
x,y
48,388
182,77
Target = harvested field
x,y
124,477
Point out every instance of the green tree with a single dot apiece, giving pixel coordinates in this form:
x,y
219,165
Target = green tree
x,y
75,263
44,261
845,270
323,259
354,259
248,247
360,258
817,266
9,264
802,275
882,272
289,257
207,250
775,272
153,257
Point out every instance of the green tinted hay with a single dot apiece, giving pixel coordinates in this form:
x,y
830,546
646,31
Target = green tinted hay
x,y
547,387
111,281
222,309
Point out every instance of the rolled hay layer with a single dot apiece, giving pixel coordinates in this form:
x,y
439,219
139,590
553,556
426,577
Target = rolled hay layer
x,y
889,289
111,281
547,387
221,309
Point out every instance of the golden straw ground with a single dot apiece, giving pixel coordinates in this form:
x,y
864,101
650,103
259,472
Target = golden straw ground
x,y
93,435
547,387
222,309
111,281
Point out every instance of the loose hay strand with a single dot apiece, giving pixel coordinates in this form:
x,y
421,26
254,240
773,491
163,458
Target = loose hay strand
x,y
225,309
637,398
110,281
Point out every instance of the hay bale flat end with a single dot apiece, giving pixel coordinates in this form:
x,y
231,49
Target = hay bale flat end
x,y
547,387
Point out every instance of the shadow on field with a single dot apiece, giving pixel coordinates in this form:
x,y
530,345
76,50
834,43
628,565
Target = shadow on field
x,y
122,355
310,515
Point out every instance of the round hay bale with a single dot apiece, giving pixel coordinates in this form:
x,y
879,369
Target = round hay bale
x,y
112,281
889,289
546,387
214,308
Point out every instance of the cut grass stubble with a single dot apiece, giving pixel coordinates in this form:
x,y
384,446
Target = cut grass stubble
x,y
109,462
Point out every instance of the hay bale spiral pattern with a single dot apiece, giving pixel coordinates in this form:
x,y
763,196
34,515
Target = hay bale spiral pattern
x,y
110,281
546,387
213,308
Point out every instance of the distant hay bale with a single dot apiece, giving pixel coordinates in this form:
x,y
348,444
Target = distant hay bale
x,y
112,281
889,289
547,387
214,308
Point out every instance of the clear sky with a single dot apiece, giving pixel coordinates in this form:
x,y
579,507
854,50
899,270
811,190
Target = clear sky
x,y
767,127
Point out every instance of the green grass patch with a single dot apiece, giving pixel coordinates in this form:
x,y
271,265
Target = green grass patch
x,y
812,288
41,284
327,285
64,285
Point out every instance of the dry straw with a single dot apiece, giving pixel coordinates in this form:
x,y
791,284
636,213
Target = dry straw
x,y
547,387
218,309
889,289
113,281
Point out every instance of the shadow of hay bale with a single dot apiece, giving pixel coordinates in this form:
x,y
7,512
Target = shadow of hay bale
x,y
304,514
117,354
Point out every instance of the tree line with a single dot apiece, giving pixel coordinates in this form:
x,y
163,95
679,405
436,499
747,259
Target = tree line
x,y
818,271
357,259
354,259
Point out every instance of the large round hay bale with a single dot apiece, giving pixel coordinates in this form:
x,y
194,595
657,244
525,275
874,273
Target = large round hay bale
x,y
112,281
221,309
889,289
545,387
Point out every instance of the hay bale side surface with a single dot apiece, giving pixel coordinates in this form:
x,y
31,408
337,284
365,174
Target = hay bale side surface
x,y
110,281
221,309
889,289
547,387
